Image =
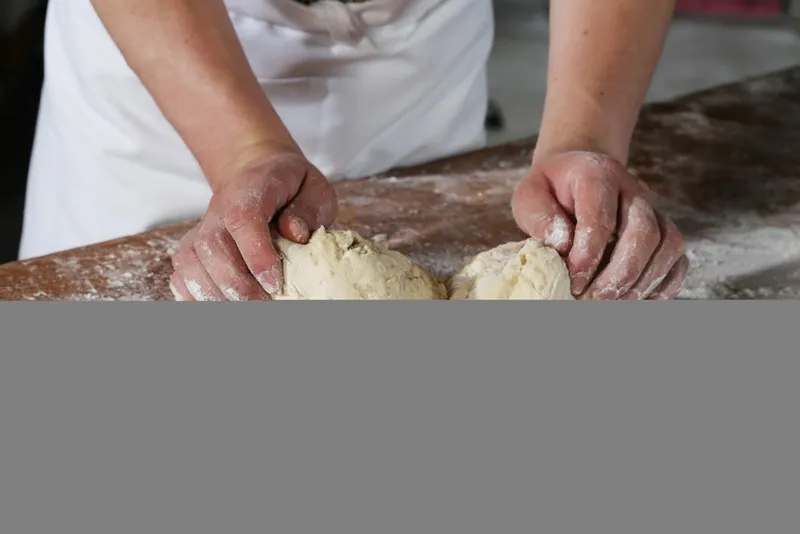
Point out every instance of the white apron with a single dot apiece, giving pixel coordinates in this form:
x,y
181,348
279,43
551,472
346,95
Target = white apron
x,y
362,87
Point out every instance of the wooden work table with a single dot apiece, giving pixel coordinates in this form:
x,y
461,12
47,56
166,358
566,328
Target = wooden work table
x,y
726,163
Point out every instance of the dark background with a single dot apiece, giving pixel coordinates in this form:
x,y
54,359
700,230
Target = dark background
x,y
20,82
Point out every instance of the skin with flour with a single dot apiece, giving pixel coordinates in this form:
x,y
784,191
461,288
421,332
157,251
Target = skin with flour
x,y
577,197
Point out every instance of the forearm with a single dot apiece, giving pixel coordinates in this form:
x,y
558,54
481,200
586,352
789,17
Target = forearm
x,y
602,58
188,56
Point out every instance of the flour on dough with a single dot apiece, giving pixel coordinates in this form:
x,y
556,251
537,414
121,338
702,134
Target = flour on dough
x,y
342,265
526,270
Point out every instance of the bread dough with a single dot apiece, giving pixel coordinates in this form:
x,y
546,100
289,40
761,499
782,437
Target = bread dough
x,y
526,270
342,265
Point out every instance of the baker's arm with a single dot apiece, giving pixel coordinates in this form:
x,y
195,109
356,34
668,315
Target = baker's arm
x,y
578,196
188,56
602,58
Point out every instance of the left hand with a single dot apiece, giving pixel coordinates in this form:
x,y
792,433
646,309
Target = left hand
x,y
579,203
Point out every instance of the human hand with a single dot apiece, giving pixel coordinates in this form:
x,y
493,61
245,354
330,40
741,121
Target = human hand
x,y
230,255
587,205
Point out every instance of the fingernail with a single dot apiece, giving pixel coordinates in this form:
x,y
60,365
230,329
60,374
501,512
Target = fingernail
x,y
579,283
177,296
558,234
232,295
196,291
299,228
270,281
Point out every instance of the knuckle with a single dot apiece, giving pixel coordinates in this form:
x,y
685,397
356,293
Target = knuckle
x,y
642,210
187,240
599,226
643,220
646,208
526,188
237,215
183,256
626,277
601,215
651,235
587,181
329,206
601,176
207,245
603,231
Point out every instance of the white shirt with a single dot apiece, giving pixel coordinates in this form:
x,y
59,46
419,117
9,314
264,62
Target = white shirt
x,y
363,87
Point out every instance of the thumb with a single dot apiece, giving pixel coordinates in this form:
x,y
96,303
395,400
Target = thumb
x,y
315,205
538,213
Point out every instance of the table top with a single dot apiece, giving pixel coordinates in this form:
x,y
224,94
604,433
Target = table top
x,y
726,163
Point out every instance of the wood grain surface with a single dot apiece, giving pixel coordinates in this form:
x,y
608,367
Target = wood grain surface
x,y
726,163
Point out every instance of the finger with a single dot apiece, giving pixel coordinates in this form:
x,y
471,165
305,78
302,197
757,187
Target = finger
x,y
176,283
315,205
671,286
639,238
538,213
595,202
196,280
178,289
247,216
217,251
669,251
249,210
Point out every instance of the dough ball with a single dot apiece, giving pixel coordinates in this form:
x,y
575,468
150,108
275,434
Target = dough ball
x,y
526,270
342,265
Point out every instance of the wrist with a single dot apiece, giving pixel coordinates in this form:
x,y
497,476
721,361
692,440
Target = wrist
x,y
247,151
547,149
555,140
577,118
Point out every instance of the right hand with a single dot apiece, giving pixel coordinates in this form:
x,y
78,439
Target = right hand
x,y
585,204
230,255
